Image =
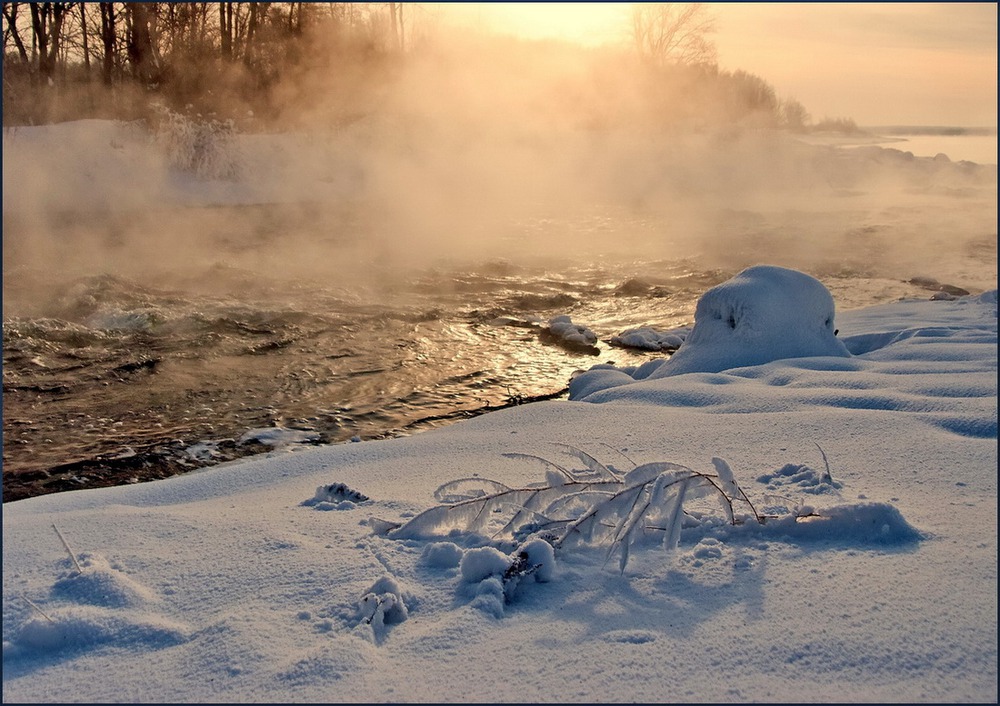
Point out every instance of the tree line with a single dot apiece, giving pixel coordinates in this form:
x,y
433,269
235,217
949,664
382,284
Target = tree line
x,y
182,49
62,60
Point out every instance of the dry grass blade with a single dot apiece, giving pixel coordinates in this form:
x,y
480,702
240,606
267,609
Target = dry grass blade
x,y
37,609
68,550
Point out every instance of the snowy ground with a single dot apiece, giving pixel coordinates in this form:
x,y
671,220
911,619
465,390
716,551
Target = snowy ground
x,y
873,580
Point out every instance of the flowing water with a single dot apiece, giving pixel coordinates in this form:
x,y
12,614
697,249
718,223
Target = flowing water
x,y
115,375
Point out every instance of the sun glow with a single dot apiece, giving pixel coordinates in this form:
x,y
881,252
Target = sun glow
x,y
579,22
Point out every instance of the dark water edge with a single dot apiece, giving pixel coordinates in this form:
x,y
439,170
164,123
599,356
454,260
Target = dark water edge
x,y
159,462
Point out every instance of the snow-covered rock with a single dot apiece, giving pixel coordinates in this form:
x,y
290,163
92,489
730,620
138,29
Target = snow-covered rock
x,y
649,339
763,314
562,327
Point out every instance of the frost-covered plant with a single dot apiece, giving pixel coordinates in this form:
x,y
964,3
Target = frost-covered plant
x,y
381,605
205,147
599,505
336,493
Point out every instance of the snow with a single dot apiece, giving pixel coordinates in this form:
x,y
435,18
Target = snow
x,y
278,436
649,339
563,328
762,314
875,451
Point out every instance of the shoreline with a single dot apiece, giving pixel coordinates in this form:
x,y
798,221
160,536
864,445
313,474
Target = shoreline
x,y
148,464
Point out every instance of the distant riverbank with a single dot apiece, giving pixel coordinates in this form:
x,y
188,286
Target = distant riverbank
x,y
974,144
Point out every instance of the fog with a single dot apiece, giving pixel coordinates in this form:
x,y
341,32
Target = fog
x,y
471,150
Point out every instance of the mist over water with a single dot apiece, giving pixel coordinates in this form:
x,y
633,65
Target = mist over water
x,y
356,273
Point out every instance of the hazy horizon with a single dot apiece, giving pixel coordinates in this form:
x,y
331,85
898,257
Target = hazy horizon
x,y
914,64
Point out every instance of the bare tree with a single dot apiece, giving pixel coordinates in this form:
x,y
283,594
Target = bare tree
x,y
11,32
794,115
673,33
47,20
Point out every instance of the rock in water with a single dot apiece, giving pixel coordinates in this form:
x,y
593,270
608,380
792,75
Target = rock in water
x,y
764,313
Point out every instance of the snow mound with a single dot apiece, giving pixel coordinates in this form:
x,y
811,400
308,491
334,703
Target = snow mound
x,y
101,584
81,627
479,564
97,605
763,314
855,524
442,555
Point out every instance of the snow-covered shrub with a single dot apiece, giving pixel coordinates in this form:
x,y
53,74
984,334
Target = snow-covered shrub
x,y
478,564
205,147
539,553
494,576
603,506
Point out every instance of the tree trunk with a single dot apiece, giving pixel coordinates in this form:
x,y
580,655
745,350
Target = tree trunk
x,y
139,44
40,36
402,29
226,28
395,25
108,40
86,46
251,29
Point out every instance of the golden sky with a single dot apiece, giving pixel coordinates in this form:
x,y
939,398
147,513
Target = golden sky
x,y
879,63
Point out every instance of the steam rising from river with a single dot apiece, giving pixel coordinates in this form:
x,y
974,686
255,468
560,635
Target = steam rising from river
x,y
492,148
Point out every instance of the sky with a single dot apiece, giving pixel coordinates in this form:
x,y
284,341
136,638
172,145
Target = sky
x,y
878,63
